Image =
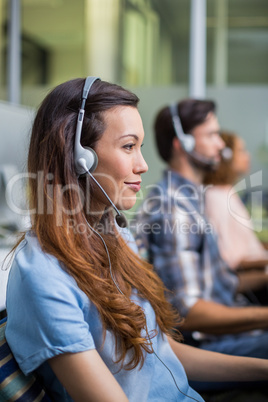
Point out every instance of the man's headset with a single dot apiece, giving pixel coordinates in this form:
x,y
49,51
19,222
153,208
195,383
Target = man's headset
x,y
85,158
188,142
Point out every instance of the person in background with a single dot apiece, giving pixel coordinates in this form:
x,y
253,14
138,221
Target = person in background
x,y
83,311
173,234
238,244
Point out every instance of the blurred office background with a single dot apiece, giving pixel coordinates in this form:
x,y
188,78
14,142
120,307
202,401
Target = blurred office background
x,y
163,50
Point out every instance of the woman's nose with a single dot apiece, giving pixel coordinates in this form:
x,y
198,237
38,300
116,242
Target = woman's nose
x,y
141,166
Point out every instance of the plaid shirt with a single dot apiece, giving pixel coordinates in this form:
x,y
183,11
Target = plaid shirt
x,y
172,233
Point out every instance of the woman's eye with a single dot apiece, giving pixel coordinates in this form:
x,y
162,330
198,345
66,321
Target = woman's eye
x,y
129,146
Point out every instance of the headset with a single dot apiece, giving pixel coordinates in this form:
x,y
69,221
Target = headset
x,y
188,142
85,158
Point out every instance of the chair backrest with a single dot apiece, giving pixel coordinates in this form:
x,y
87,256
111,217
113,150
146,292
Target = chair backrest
x,y
14,385
4,272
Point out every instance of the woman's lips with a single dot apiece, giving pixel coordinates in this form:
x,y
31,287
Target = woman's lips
x,y
135,186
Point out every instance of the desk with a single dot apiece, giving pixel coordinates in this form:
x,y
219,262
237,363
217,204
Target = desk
x,y
3,277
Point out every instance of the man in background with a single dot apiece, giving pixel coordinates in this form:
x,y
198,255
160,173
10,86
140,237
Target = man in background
x,y
173,234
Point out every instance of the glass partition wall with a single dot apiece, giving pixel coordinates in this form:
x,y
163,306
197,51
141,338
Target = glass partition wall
x,y
138,43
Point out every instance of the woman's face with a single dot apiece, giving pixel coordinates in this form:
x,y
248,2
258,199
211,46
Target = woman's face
x,y
121,163
241,158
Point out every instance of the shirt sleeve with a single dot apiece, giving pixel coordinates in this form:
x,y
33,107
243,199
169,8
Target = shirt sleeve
x,y
183,260
174,250
233,225
223,230
46,310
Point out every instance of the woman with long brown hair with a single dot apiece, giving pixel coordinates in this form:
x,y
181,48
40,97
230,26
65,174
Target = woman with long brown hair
x,y
84,312
238,243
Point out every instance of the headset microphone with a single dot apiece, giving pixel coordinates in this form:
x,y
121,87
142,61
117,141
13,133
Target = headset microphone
x,y
120,218
227,153
85,158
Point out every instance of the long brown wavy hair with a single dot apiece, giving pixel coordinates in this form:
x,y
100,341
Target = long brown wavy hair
x,y
61,212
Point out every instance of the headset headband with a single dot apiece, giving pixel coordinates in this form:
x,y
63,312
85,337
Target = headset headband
x,y
79,152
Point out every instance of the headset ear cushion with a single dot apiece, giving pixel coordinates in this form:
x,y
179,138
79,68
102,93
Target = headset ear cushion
x,y
188,142
90,158
93,158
